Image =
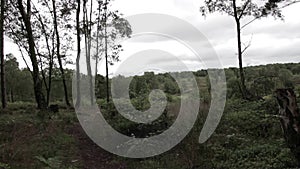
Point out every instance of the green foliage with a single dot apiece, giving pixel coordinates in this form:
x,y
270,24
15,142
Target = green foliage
x,y
201,73
23,136
4,166
296,69
171,87
249,135
285,76
254,155
262,86
233,90
50,163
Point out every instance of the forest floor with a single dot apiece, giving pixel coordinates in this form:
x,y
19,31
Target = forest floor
x,y
92,156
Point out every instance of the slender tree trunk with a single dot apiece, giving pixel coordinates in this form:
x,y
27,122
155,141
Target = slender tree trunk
x,y
88,39
240,57
89,54
39,96
44,79
106,53
78,94
3,90
290,120
97,40
51,62
59,56
51,58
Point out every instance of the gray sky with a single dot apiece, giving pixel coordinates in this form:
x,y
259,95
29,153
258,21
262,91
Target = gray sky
x,y
273,41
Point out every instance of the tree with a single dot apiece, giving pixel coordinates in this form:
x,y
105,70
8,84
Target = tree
x,y
87,29
285,77
3,91
23,89
111,27
296,69
58,54
12,75
37,83
46,57
103,30
45,25
106,51
245,8
78,94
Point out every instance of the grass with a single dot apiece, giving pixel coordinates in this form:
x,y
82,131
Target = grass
x,y
247,137
26,139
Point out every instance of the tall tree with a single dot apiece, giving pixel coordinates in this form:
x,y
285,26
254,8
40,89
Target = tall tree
x,y
114,27
3,91
104,31
87,26
37,83
12,73
78,94
46,57
240,10
106,51
58,54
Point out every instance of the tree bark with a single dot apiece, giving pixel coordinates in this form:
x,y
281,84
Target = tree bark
x,y
59,56
78,94
290,120
39,96
3,89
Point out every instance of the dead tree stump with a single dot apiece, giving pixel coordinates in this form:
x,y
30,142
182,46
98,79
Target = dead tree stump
x,y
290,120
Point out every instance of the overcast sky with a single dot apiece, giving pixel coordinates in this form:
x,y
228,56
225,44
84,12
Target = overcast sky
x,y
273,41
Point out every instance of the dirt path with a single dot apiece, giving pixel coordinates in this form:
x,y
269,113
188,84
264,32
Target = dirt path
x,y
92,156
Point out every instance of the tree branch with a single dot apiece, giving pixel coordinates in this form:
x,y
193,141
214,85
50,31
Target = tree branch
x,y
291,3
244,8
248,45
250,22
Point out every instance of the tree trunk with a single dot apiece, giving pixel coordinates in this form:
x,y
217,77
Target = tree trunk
x,y
106,54
240,54
39,96
44,79
3,90
78,98
89,56
290,120
51,58
97,36
87,28
59,56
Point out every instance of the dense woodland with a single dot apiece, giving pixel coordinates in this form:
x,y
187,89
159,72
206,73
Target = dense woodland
x,y
38,123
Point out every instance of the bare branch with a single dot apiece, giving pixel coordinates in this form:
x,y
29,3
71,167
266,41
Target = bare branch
x,y
248,45
23,57
249,22
291,3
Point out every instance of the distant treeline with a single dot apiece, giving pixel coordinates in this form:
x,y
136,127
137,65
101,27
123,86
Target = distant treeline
x,y
260,80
